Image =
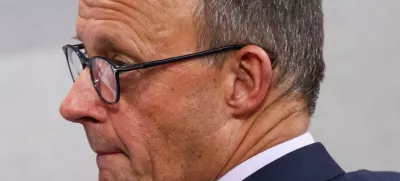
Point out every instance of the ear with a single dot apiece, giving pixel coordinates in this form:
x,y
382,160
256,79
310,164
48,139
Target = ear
x,y
250,75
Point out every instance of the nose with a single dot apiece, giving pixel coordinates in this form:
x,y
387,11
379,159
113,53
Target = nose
x,y
82,101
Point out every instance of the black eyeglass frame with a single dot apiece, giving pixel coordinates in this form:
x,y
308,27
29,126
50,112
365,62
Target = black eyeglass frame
x,y
85,61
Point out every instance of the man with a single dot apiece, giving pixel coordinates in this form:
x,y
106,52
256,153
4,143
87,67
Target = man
x,y
175,90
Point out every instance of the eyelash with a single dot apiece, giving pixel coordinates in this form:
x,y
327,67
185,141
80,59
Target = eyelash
x,y
118,61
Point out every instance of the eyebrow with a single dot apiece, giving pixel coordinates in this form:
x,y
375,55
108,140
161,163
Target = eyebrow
x,y
106,41
77,37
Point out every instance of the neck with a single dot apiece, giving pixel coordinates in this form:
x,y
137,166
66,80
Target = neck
x,y
278,122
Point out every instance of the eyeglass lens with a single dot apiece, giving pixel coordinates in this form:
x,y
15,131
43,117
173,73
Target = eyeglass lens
x,y
104,79
103,76
75,64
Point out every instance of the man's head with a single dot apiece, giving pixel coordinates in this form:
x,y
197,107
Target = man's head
x,y
196,119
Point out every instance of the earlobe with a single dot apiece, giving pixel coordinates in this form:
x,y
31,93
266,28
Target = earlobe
x,y
252,75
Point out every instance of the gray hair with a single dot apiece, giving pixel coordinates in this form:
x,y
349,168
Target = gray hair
x,y
292,30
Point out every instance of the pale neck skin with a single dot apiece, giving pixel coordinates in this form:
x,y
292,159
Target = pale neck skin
x,y
276,122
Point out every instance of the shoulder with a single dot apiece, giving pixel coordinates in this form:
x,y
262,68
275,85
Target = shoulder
x,y
365,175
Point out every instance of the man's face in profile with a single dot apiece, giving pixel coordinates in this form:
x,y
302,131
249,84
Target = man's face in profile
x,y
169,120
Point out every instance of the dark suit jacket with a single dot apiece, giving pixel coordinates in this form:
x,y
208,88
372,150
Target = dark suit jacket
x,y
313,163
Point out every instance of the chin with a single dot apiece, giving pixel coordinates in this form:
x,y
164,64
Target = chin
x,y
106,175
115,167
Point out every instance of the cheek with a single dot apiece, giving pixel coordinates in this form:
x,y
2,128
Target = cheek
x,y
169,93
170,114
173,99
132,132
180,107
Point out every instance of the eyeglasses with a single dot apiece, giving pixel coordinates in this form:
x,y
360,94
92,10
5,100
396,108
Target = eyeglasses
x,y
105,74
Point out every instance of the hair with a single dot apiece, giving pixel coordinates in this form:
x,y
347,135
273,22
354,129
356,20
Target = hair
x,y
291,30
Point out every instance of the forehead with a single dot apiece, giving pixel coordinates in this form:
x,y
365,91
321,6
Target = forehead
x,y
151,24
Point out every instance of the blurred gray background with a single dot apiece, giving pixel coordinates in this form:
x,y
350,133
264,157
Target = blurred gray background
x,y
357,116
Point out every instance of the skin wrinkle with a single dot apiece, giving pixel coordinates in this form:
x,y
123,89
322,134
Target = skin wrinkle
x,y
126,51
121,138
228,164
268,112
147,147
118,145
118,16
243,145
160,31
117,5
272,140
160,28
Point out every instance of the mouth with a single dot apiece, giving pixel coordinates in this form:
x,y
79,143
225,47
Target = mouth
x,y
107,156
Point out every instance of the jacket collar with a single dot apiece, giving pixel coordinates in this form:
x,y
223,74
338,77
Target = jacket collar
x,y
311,162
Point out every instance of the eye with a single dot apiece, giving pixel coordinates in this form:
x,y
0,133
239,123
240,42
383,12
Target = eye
x,y
121,60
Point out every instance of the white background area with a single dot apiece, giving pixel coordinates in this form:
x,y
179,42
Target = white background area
x,y
357,117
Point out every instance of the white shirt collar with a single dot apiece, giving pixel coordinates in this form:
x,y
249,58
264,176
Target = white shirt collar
x,y
257,162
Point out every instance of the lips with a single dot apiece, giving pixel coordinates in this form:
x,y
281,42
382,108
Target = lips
x,y
107,155
102,141
100,153
106,150
105,144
